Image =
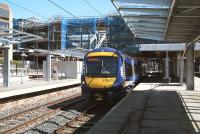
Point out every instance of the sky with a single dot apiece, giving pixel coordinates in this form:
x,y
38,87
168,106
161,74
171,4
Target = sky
x,y
45,9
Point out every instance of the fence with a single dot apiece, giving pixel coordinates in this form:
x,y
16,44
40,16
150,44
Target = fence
x,y
15,71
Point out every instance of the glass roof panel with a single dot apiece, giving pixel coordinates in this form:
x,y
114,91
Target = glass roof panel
x,y
145,14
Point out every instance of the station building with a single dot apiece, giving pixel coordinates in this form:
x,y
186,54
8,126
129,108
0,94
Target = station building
x,y
6,21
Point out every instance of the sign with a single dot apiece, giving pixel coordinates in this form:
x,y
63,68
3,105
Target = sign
x,y
133,48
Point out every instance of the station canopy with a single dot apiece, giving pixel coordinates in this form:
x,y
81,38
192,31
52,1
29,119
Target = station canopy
x,y
11,36
73,52
166,20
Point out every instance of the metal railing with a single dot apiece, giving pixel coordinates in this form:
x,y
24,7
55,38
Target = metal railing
x,y
15,72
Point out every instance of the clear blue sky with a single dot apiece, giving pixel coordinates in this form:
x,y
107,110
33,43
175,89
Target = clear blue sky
x,y
45,8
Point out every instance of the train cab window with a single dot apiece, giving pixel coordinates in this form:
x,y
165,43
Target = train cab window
x,y
93,66
101,66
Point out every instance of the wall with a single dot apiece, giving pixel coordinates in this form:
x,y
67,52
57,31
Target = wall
x,y
65,69
71,69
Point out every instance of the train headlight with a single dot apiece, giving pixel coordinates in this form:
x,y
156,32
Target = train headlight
x,y
83,82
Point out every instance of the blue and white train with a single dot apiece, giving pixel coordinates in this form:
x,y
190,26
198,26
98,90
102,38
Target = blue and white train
x,y
108,70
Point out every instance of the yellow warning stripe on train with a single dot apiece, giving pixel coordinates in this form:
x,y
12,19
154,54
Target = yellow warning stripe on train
x,y
102,54
95,82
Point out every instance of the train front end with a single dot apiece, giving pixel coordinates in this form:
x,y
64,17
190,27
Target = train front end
x,y
100,74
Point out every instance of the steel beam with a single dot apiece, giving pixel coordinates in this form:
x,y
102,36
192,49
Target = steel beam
x,y
178,36
187,16
148,33
21,37
145,11
141,8
185,23
146,2
31,39
146,19
187,10
20,32
7,35
144,15
149,29
166,47
187,6
184,29
148,25
189,3
169,16
179,33
149,37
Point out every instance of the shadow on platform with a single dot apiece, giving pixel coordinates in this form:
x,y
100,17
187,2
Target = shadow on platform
x,y
164,112
159,78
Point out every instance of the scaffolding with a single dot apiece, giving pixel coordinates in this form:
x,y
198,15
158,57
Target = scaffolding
x,y
61,33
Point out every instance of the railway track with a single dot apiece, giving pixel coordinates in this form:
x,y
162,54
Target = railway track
x,y
87,118
61,116
78,118
37,107
31,116
76,122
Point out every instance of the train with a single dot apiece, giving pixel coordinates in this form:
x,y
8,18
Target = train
x,y
107,70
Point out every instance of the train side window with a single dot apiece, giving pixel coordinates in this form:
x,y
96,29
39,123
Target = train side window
x,y
137,69
129,72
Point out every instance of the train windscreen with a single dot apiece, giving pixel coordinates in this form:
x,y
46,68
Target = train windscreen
x,y
101,66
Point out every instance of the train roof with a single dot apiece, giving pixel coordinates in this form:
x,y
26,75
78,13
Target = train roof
x,y
107,49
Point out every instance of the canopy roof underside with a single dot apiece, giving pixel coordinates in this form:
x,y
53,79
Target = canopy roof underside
x,y
167,20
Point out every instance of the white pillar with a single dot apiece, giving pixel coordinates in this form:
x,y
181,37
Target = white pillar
x,y
48,67
178,65
167,66
6,68
190,68
181,70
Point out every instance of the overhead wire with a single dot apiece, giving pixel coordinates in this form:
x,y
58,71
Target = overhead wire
x,y
26,9
90,5
63,9
66,12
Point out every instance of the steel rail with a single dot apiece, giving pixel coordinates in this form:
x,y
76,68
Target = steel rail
x,y
62,128
15,129
34,108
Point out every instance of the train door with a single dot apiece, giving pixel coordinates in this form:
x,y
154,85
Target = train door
x,y
129,73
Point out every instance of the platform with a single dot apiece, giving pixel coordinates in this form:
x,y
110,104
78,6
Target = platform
x,y
154,108
31,86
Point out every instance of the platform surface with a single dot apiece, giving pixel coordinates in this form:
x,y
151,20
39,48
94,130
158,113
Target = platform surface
x,y
154,108
30,86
